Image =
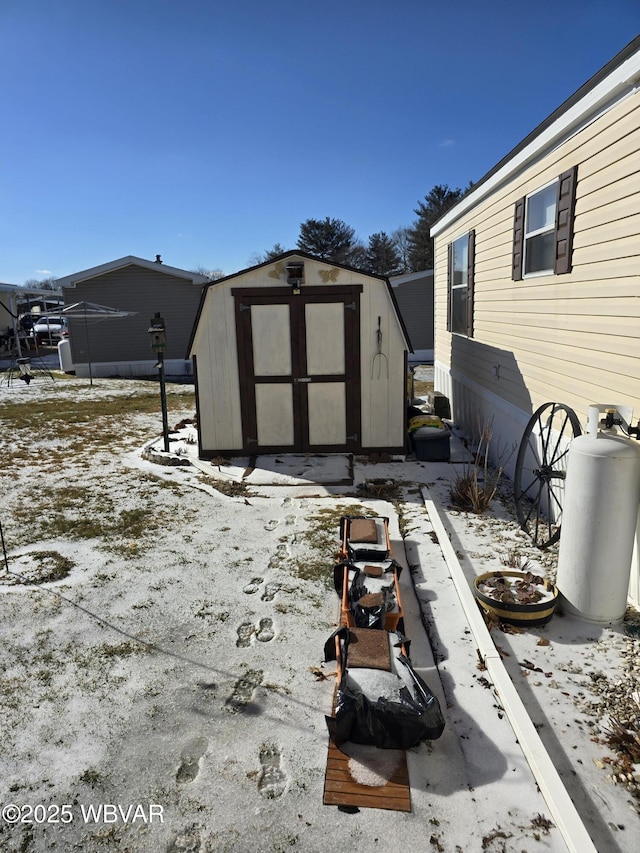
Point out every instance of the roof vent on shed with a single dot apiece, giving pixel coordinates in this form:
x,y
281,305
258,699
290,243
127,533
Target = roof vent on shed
x,y
158,259
295,274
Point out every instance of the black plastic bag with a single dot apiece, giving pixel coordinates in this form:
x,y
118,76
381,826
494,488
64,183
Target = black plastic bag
x,y
367,615
383,722
374,616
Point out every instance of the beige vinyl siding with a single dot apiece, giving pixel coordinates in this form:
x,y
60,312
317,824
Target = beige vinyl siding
x,y
144,292
569,338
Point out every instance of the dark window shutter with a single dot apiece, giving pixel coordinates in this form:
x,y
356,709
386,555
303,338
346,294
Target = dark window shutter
x,y
518,240
471,268
565,210
449,282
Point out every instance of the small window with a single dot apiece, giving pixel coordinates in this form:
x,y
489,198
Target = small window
x,y
539,230
461,265
543,229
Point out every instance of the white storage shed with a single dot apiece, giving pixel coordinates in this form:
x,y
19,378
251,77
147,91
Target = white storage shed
x,y
300,355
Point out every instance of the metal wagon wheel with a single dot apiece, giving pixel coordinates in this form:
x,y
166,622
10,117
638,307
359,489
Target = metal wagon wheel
x,y
541,471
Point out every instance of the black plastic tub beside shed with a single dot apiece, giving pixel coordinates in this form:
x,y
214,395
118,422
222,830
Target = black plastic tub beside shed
x,y
432,444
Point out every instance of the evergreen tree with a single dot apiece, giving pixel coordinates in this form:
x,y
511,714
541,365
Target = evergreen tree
x,y
382,256
330,239
275,252
435,204
270,254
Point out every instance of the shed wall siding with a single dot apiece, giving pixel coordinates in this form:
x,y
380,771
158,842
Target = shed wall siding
x,y
218,377
140,290
570,338
215,347
383,397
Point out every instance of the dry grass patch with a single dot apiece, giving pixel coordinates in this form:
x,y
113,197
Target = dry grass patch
x,y
321,540
422,388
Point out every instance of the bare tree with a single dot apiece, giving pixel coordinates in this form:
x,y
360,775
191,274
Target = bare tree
x,y
50,283
212,275
400,239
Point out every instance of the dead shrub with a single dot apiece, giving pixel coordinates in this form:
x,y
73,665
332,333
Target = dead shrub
x,y
476,485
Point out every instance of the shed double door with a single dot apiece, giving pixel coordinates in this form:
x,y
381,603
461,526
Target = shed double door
x,y
299,360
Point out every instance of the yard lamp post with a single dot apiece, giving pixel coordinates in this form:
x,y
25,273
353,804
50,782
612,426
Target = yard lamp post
x,y
158,344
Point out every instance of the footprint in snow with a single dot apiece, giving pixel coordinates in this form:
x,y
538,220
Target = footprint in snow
x,y
272,781
253,586
245,633
190,759
243,691
270,591
265,631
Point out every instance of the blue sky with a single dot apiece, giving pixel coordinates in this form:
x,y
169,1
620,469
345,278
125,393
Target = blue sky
x,y
208,130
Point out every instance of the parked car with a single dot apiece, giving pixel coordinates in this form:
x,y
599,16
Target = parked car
x,y
50,329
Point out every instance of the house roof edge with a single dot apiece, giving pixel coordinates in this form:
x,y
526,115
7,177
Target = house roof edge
x,y
620,76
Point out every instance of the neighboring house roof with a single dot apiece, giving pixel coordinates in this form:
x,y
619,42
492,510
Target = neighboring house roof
x,y
616,80
130,260
410,276
21,289
298,254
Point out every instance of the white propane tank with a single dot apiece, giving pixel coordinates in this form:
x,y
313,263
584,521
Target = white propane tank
x,y
599,517
64,356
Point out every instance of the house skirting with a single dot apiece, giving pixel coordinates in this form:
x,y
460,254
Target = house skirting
x,y
173,368
472,406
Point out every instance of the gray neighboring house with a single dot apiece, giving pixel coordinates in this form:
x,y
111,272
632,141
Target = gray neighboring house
x,y
414,295
122,347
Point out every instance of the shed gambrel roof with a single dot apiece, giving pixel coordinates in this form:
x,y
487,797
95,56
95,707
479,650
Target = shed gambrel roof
x,y
305,255
619,78
130,260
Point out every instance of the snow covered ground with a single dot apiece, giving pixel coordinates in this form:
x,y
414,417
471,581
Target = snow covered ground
x,y
172,667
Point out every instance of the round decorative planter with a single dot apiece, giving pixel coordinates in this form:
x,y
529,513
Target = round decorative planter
x,y
526,615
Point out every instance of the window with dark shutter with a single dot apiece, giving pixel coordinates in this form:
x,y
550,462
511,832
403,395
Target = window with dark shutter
x,y
565,210
471,263
449,279
543,229
518,240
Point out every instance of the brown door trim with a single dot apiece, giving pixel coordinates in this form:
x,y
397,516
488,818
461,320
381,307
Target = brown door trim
x,y
244,298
